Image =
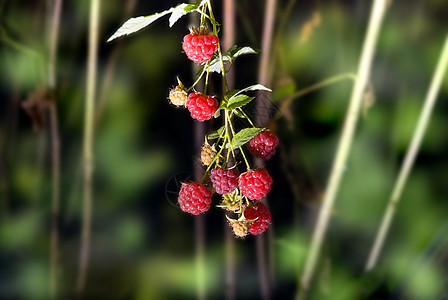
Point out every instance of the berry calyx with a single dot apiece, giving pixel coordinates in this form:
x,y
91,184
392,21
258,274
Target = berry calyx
x,y
231,202
200,45
178,96
263,145
201,107
207,154
261,216
194,198
255,184
224,181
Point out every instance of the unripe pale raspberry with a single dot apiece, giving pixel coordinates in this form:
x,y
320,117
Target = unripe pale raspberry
x,y
194,198
200,45
178,96
263,145
224,181
255,184
260,213
239,227
207,154
201,107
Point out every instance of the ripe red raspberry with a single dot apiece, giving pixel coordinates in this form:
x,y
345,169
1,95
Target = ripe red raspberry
x,y
199,45
194,198
224,181
260,213
201,107
263,145
255,184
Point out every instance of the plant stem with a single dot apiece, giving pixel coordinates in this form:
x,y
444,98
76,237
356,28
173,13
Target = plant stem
x,y
409,159
88,155
55,201
56,154
345,142
261,118
313,88
109,70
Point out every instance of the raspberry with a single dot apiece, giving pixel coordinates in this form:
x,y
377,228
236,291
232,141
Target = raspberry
x,y
194,198
178,96
199,45
201,107
239,227
255,184
260,213
224,181
207,154
263,145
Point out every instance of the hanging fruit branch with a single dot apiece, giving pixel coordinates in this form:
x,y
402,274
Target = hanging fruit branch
x,y
222,153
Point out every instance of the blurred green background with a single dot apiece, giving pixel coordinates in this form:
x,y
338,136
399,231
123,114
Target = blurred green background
x,y
143,245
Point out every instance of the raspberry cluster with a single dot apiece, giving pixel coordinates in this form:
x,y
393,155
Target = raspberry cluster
x,y
222,153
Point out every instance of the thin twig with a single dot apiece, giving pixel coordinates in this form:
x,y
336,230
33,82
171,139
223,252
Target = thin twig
x,y
285,104
345,142
56,152
88,157
262,106
111,64
228,41
409,159
199,221
55,200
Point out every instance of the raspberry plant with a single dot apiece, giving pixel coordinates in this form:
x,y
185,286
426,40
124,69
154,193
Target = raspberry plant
x,y
222,152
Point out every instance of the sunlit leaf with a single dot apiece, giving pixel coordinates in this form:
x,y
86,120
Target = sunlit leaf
x,y
244,136
135,24
238,101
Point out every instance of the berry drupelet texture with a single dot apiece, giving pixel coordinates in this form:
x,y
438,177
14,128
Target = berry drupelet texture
x,y
260,213
255,184
224,181
200,47
194,198
201,107
263,145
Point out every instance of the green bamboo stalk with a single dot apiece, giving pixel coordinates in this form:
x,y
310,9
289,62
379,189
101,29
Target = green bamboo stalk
x,y
88,156
409,159
345,143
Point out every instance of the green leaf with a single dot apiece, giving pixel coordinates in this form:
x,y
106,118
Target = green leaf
x,y
223,105
182,9
239,114
255,87
216,134
178,12
135,24
230,55
243,51
238,101
215,64
244,136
